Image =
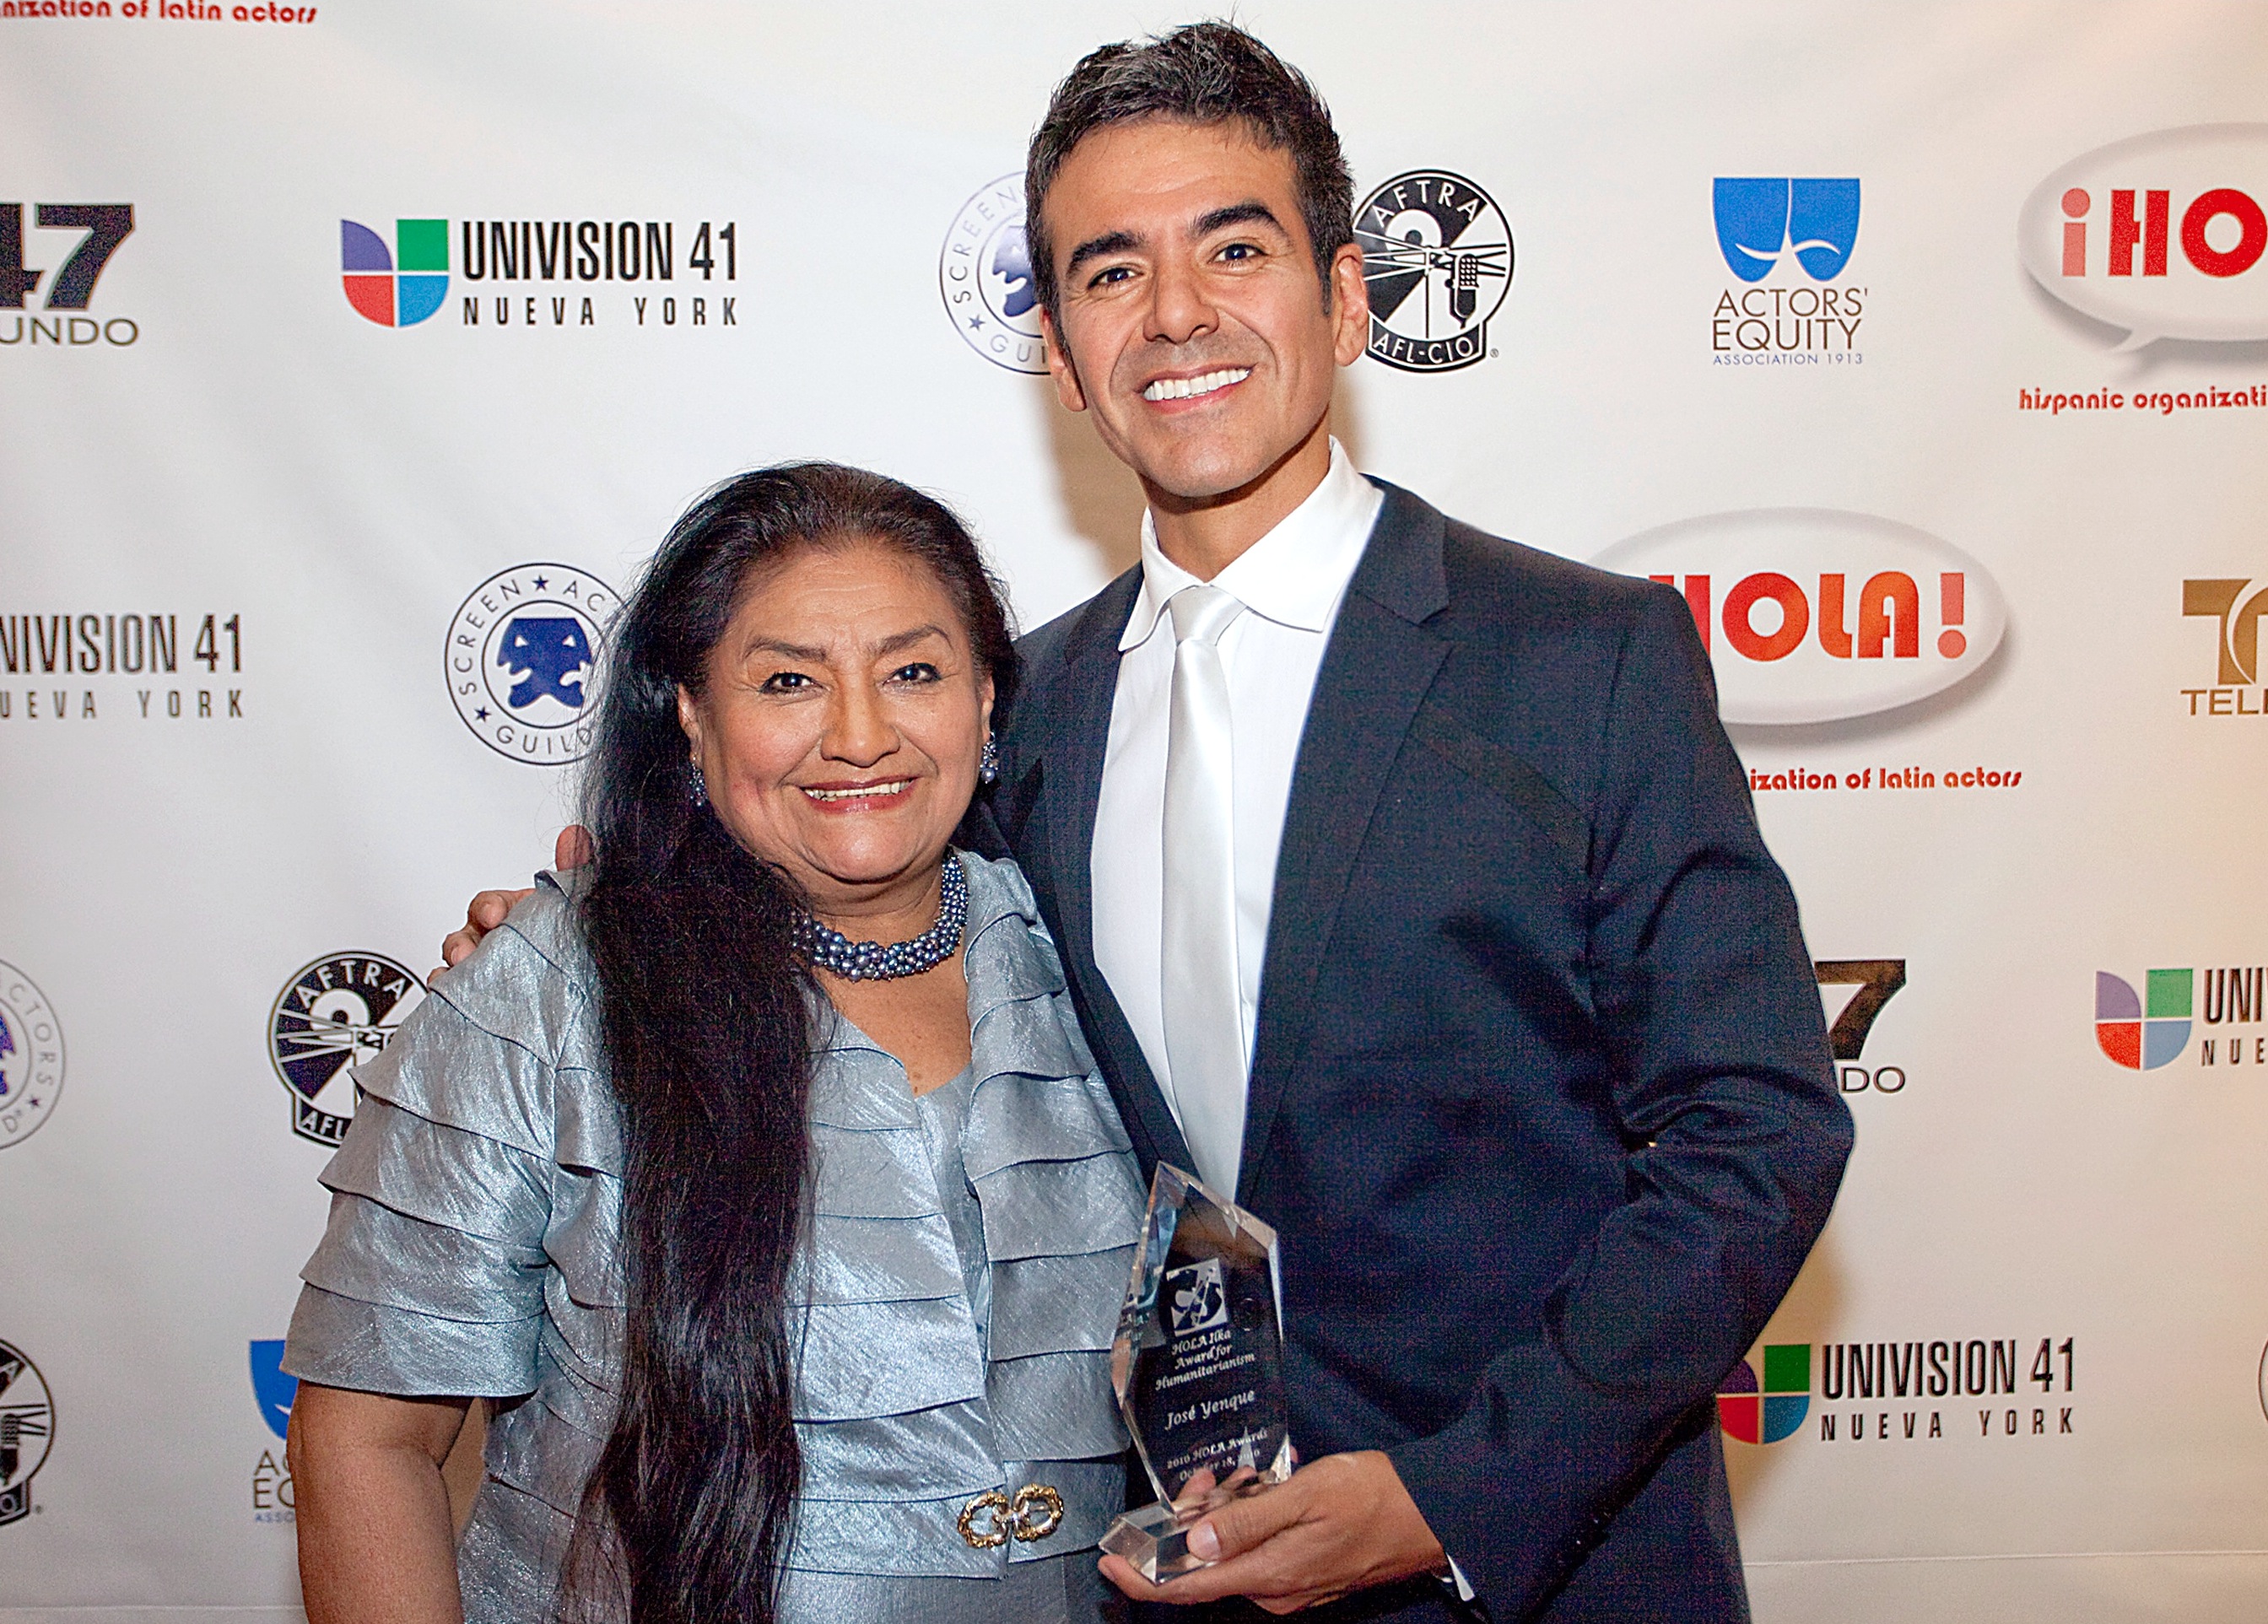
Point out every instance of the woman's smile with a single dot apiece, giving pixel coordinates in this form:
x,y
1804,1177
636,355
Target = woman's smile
x,y
880,795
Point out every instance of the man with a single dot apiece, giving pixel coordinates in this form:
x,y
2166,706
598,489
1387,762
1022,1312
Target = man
x,y
1408,888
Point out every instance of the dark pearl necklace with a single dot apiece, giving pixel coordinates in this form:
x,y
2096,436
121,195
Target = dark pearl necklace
x,y
830,949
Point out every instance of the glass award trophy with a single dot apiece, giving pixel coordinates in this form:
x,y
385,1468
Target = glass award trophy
x,y
1198,1367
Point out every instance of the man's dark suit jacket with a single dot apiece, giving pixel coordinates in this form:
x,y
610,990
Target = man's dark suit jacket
x,y
1541,1102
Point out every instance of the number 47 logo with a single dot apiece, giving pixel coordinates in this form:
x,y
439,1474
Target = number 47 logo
x,y
1878,981
106,226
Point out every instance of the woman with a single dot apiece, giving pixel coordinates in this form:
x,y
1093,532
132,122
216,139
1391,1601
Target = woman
x,y
790,1259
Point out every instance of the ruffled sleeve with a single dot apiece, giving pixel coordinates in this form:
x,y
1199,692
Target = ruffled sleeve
x,y
1057,1182
481,1172
904,1407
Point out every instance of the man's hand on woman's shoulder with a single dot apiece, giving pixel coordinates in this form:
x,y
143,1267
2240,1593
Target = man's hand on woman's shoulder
x,y
485,912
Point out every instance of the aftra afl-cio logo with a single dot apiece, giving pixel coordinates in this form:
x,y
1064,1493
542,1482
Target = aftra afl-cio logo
x,y
30,1056
332,1014
27,1427
521,654
984,271
1436,253
1812,615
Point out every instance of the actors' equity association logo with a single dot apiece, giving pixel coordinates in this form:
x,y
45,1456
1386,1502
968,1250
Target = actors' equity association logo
x,y
984,273
333,1014
1824,614
2160,236
273,1391
66,317
521,654
27,1428
272,1388
30,1056
1786,237
1437,252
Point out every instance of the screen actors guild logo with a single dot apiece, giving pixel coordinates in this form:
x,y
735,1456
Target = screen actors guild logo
x,y
27,1427
332,1016
984,271
30,1056
1436,253
521,653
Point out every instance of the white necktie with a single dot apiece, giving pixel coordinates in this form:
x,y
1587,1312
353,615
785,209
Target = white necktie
x,y
1204,1018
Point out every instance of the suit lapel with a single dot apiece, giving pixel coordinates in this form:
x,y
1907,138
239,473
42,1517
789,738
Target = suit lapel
x,y
1375,671
1069,768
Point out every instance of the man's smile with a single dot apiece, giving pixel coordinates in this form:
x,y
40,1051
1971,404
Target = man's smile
x,y
1191,388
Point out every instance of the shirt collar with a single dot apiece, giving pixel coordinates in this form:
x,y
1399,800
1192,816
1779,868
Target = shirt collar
x,y
1294,575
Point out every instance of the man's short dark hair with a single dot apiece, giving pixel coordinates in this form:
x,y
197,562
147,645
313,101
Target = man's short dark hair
x,y
1206,73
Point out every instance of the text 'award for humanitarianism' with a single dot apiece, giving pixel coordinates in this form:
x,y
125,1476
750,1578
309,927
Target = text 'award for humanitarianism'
x,y
1198,1367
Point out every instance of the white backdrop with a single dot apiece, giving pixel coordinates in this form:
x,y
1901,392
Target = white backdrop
x,y
1878,385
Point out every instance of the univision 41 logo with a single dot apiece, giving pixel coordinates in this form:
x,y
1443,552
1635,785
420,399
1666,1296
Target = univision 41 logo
x,y
554,269
2148,1027
1811,615
1773,1408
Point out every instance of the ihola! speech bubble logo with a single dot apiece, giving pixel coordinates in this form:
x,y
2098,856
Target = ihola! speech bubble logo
x,y
2163,235
1811,615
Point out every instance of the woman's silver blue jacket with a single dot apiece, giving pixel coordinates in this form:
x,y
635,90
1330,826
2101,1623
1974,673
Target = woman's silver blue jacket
x,y
474,1249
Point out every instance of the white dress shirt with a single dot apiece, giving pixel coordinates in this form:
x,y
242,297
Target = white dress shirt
x,y
1291,582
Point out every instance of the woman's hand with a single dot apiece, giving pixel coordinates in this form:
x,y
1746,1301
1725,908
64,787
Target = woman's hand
x,y
377,1543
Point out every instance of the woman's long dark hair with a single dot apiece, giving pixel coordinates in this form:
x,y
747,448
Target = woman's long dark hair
x,y
685,1517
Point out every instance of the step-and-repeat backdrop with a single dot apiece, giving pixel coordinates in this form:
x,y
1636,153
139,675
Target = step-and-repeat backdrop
x,y
352,356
